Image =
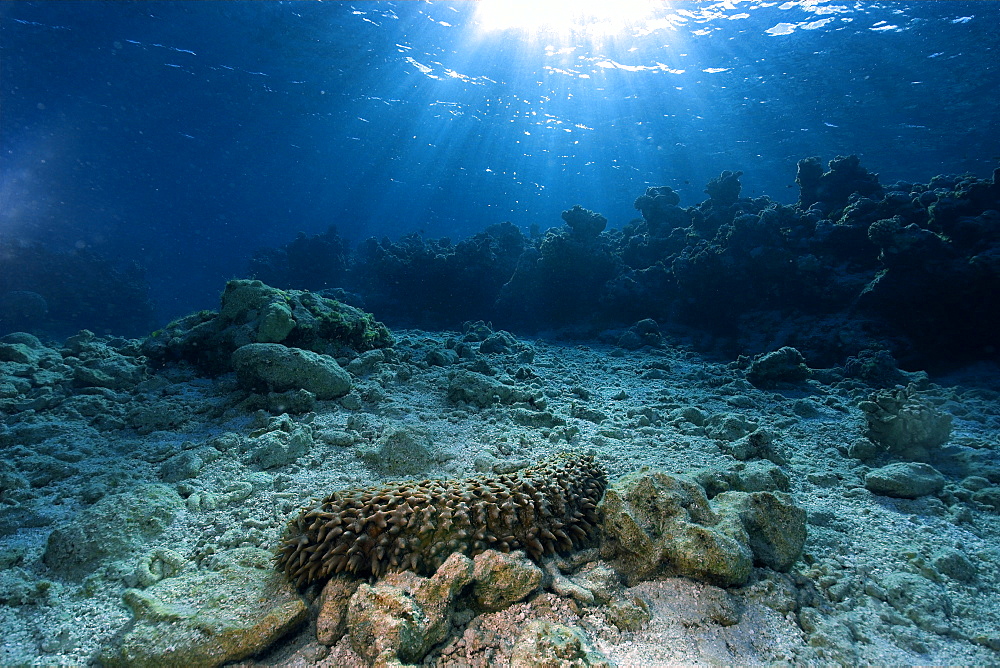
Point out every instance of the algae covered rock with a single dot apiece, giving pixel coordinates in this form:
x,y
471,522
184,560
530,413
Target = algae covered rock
x,y
776,528
785,365
279,443
208,617
628,612
759,476
905,480
503,579
905,424
483,391
275,368
113,527
655,523
399,452
97,364
923,602
251,313
547,644
401,617
331,621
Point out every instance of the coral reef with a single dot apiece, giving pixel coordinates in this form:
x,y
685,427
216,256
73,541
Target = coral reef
x,y
561,277
432,283
586,224
548,508
941,278
832,189
306,263
855,265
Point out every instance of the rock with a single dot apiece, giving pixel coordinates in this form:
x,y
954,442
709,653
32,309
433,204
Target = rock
x,y
643,333
208,617
503,579
630,341
760,476
909,427
367,363
656,523
252,312
757,444
776,528
905,480
19,587
331,622
989,497
274,367
862,448
628,612
181,466
546,644
953,563
441,357
601,581
785,365
710,606
276,323
399,452
112,528
280,443
483,391
538,419
499,342
691,414
401,617
923,602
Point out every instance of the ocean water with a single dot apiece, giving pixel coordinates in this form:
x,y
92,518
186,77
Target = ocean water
x,y
755,243
183,137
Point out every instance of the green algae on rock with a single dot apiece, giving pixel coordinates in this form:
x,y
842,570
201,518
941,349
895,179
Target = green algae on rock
x,y
111,528
906,424
252,312
656,523
548,508
207,617
274,367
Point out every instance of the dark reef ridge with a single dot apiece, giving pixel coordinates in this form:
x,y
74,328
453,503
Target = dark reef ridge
x,y
855,266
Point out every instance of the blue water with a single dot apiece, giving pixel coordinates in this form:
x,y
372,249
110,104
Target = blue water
x,y
180,137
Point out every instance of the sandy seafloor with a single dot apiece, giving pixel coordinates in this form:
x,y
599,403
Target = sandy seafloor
x,y
843,602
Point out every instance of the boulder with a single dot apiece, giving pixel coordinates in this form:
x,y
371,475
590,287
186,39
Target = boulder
x,y
275,368
905,480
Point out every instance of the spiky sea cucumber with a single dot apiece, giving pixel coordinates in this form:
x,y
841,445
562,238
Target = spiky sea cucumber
x,y
409,525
